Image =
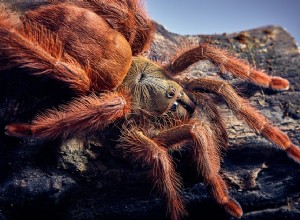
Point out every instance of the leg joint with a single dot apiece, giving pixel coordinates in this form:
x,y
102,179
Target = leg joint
x,y
223,87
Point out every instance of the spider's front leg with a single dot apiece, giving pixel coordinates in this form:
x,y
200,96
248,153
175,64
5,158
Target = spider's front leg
x,y
227,63
210,111
138,147
206,155
83,116
242,108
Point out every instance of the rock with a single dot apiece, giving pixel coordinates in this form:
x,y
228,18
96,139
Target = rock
x,y
88,179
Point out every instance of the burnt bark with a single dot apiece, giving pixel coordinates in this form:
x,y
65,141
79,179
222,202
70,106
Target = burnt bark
x,y
89,179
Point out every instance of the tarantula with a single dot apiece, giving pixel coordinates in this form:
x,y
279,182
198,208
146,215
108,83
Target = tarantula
x,y
95,48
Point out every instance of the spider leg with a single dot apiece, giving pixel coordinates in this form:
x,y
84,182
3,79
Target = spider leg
x,y
35,49
208,109
227,63
140,148
81,117
206,155
242,108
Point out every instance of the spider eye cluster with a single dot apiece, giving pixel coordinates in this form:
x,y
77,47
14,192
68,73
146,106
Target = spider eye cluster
x,y
171,91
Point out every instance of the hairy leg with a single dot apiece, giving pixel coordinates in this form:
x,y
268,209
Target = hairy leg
x,y
242,108
35,49
81,117
140,148
208,109
206,155
228,63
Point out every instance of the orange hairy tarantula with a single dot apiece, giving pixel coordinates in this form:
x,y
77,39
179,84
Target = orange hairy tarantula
x,y
94,47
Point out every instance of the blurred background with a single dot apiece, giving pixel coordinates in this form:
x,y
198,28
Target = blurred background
x,y
220,16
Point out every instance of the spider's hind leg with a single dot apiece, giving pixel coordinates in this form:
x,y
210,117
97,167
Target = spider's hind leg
x,y
32,47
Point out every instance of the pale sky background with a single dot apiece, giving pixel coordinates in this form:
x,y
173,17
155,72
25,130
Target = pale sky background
x,y
219,16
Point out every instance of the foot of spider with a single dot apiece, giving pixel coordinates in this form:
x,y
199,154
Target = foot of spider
x,y
233,208
279,84
18,130
294,153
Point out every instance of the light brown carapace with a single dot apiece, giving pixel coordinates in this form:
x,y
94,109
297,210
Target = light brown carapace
x,y
94,47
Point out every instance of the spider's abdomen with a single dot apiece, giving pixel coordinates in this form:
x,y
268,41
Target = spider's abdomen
x,y
128,17
90,40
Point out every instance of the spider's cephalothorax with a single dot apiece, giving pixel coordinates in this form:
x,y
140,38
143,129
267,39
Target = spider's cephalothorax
x,y
94,47
153,92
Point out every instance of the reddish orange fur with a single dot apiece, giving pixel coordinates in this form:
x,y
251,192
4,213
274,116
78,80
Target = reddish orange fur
x,y
244,110
294,152
89,45
140,148
34,48
18,130
211,111
119,14
126,16
206,155
227,63
95,43
278,83
171,136
276,136
79,118
233,208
